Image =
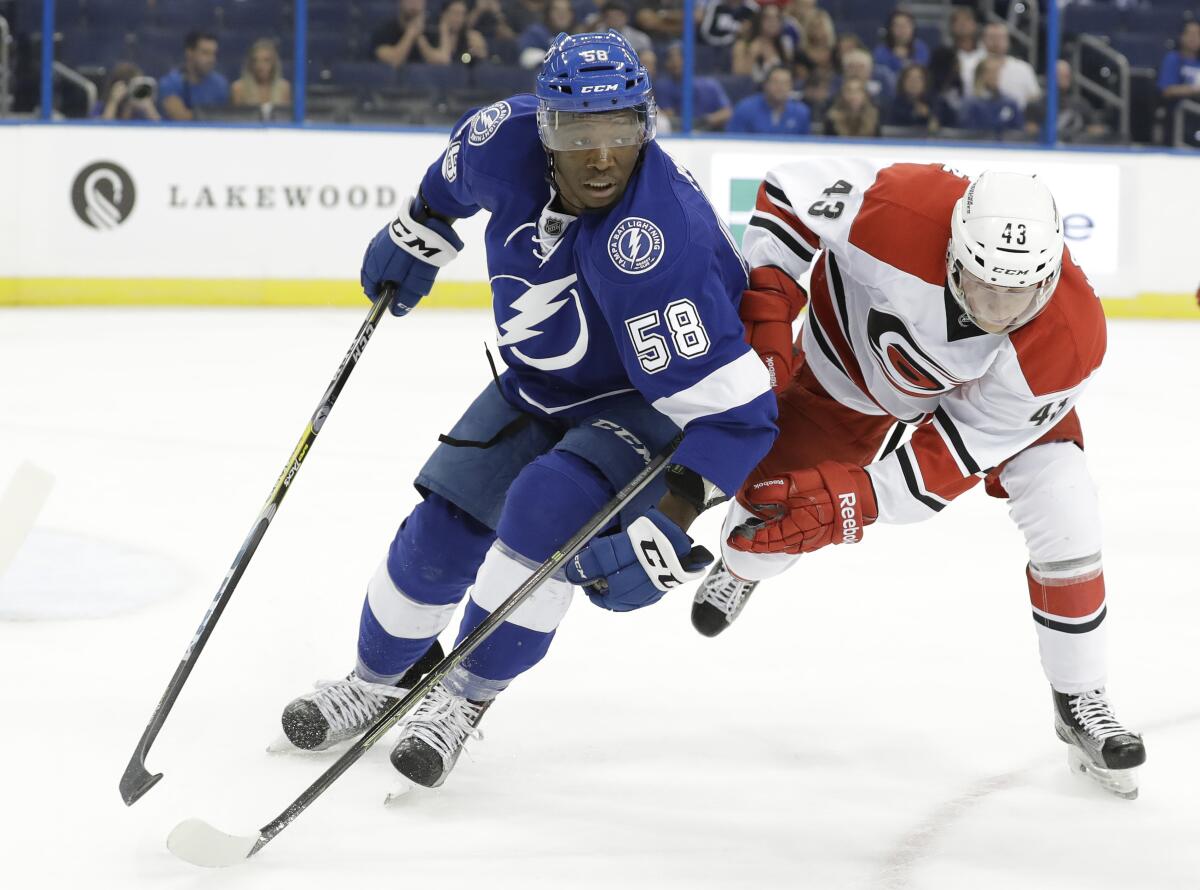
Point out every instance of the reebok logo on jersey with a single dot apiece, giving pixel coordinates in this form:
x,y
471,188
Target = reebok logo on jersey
x,y
487,121
635,245
769,361
849,514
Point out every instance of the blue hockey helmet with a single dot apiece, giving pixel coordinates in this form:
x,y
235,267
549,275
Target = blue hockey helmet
x,y
584,74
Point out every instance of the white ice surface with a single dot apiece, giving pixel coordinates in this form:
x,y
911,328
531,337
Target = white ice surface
x,y
876,719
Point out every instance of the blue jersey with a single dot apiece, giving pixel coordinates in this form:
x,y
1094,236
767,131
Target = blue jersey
x,y
641,297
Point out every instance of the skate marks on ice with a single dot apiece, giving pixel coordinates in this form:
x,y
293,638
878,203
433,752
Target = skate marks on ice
x,y
62,575
915,848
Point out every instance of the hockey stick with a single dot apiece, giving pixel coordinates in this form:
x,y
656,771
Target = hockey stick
x,y
137,780
197,842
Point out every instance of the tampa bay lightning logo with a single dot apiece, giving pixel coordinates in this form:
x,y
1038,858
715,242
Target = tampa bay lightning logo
x,y
636,245
487,121
536,306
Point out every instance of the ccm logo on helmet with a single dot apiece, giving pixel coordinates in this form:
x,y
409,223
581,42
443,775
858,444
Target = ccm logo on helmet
x,y
997,269
849,517
601,88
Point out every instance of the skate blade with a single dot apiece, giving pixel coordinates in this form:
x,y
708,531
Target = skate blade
x,y
1121,782
403,792
281,745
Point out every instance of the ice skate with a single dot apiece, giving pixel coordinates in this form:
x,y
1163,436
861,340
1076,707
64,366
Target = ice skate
x,y
1099,746
719,600
342,709
433,737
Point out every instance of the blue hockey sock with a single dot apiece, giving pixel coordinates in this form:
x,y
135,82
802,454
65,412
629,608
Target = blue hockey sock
x,y
413,594
548,502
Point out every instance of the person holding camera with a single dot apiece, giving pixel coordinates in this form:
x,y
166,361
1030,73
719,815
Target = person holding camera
x,y
128,96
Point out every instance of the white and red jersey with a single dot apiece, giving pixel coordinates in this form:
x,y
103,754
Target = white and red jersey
x,y
884,336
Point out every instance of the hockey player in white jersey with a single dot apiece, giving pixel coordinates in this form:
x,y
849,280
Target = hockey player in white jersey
x,y
955,308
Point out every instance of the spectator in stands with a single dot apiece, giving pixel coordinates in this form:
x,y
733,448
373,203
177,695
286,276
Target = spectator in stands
x,y
945,85
118,102
262,82
661,19
721,21
489,19
816,65
852,112
1018,80
763,46
880,84
535,40
1077,118
901,44
523,13
196,84
913,105
964,35
457,42
711,108
811,18
773,111
1179,73
403,38
615,14
989,109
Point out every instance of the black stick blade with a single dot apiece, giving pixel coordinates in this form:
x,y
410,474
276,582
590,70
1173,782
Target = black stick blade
x,y
137,780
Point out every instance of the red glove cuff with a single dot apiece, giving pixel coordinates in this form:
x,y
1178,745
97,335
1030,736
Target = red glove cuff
x,y
853,499
772,295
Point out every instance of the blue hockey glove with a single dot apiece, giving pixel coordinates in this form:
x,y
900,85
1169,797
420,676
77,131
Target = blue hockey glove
x,y
408,252
626,570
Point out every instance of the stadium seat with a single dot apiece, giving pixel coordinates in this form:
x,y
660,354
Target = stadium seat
x,y
362,74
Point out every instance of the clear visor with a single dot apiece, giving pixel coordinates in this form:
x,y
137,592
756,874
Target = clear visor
x,y
997,309
591,130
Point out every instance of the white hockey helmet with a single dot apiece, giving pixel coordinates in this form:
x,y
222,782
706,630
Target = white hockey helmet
x,y
1005,251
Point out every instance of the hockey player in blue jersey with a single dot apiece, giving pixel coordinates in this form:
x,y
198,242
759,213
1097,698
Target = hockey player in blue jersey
x,y
615,292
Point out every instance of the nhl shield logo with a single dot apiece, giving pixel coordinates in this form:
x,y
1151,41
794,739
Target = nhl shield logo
x,y
636,245
487,121
450,161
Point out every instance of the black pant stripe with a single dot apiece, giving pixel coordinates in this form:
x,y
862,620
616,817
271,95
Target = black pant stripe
x,y
1071,628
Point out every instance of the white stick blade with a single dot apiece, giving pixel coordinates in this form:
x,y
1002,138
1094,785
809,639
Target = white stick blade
x,y
20,505
197,842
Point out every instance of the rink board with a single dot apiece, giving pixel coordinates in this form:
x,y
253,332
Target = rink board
x,y
121,215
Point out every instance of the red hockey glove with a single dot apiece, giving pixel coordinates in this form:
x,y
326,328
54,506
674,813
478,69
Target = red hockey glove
x,y
769,307
804,510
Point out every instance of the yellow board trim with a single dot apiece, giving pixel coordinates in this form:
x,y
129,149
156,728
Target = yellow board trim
x,y
218,292
341,292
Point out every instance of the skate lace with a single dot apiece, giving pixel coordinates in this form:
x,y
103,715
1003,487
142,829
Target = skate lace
x,y
1095,715
726,592
445,721
347,703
